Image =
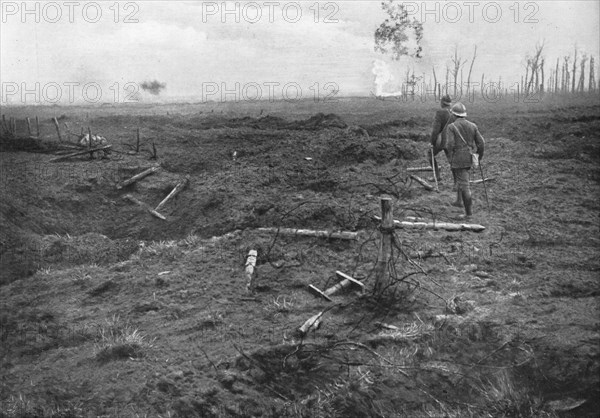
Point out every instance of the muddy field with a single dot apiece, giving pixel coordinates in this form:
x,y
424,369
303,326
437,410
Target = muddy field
x,y
106,310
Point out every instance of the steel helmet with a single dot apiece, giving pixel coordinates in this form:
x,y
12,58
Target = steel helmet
x,y
459,110
446,100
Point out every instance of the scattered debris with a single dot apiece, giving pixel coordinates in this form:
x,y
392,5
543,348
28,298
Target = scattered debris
x,y
145,206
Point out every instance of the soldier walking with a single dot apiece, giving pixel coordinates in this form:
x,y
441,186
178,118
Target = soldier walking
x,y
463,139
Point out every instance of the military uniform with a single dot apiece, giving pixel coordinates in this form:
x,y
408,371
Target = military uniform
x,y
459,155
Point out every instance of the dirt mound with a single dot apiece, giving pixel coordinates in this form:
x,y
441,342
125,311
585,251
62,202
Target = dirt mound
x,y
320,121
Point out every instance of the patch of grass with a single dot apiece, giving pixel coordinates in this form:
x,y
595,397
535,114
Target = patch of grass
x,y
503,399
23,407
116,339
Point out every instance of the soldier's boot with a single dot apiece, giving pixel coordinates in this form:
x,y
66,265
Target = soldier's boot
x,y
468,203
459,200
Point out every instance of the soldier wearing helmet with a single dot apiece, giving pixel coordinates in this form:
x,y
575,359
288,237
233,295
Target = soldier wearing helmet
x,y
463,139
443,117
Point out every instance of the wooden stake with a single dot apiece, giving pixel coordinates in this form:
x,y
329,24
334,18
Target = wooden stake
x,y
37,125
28,126
433,156
64,157
137,177
436,225
250,266
57,128
145,206
180,186
422,182
382,277
312,233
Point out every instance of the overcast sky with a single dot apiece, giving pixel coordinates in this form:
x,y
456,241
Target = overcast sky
x,y
198,49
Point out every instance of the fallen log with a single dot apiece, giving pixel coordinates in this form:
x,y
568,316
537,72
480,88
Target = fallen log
x,y
482,180
416,169
435,225
250,266
180,186
64,157
312,233
138,177
422,182
145,206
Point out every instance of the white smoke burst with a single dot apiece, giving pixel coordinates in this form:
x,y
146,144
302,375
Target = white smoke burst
x,y
383,76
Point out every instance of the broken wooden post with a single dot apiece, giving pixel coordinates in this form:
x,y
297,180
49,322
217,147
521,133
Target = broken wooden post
x,y
346,281
37,126
314,322
57,129
145,206
64,157
28,126
417,169
312,233
250,266
382,276
180,186
4,125
137,145
137,177
422,182
90,143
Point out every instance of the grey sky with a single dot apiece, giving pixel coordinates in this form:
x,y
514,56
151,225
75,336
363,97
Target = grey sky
x,y
195,46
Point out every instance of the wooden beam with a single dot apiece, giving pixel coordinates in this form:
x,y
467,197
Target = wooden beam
x,y
64,157
436,225
145,206
422,182
416,169
312,233
137,177
180,186
482,180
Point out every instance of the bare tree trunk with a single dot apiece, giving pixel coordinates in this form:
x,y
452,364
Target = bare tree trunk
x,y
556,77
470,70
542,78
447,73
592,80
582,74
526,90
435,85
574,71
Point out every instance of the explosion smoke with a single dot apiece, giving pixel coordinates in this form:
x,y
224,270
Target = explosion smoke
x,y
153,87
